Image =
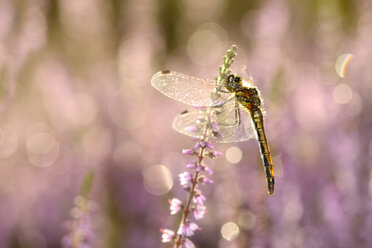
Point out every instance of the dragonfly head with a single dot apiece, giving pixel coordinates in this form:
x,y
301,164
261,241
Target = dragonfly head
x,y
233,82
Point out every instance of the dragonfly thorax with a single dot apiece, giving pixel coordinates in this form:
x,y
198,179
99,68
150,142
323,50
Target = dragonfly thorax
x,y
254,95
248,96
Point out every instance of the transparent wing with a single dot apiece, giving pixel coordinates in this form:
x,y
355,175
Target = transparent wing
x,y
184,88
191,123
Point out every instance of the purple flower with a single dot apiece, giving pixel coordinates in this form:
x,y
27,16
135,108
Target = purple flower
x,y
207,180
199,107
188,151
175,205
199,197
215,125
208,170
185,179
191,165
209,145
199,211
167,235
203,144
217,103
191,129
213,154
187,229
217,154
198,145
188,244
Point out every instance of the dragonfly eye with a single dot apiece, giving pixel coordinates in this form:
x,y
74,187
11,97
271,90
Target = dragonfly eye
x,y
230,82
231,78
237,79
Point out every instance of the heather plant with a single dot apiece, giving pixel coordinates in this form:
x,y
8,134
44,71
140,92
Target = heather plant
x,y
196,173
80,225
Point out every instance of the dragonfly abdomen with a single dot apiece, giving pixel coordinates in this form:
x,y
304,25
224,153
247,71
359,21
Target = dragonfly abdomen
x,y
250,99
257,118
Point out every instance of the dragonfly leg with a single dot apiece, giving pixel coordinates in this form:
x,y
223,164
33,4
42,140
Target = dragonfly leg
x,y
237,114
220,104
224,91
216,94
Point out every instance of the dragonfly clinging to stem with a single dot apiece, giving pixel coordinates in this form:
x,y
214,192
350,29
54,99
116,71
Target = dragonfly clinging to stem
x,y
237,108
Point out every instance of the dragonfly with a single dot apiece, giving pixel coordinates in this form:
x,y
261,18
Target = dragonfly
x,y
237,110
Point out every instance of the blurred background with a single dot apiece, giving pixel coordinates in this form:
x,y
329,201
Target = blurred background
x,y
75,96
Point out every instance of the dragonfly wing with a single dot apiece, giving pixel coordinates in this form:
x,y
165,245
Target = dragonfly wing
x,y
184,88
235,123
191,123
